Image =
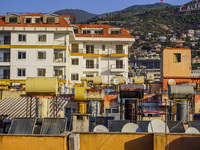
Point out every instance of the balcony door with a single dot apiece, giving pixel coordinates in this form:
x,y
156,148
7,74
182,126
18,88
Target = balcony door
x,y
89,63
75,48
90,49
6,57
6,74
6,40
119,63
119,49
59,74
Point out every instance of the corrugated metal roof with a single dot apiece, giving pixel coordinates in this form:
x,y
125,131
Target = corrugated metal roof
x,y
17,107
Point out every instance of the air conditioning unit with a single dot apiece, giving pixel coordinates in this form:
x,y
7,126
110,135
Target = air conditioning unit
x,y
74,142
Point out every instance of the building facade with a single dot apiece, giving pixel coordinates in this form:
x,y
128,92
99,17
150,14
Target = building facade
x,y
47,45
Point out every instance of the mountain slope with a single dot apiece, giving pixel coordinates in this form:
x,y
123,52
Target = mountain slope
x,y
81,15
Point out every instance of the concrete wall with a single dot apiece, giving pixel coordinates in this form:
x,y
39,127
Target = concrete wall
x,y
144,141
26,142
176,69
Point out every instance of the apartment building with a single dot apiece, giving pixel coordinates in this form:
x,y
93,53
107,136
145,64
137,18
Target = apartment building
x,y
33,45
99,50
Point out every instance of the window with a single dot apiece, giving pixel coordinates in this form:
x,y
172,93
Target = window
x,y
119,63
41,72
37,20
58,57
177,57
115,31
75,61
103,47
100,31
21,72
13,20
90,49
86,31
22,37
74,48
41,55
74,77
59,73
89,75
21,55
51,20
75,31
42,38
89,63
119,48
28,20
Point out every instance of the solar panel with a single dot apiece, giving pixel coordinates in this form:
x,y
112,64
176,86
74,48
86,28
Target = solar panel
x,y
143,125
22,126
116,125
53,125
175,127
195,124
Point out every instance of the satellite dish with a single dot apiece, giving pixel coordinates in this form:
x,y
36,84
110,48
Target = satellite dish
x,y
131,127
90,84
116,81
192,130
157,126
100,128
171,82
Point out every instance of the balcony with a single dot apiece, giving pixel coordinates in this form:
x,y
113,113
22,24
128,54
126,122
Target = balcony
x,y
4,59
60,77
77,51
91,68
117,68
3,76
7,42
59,42
117,53
59,59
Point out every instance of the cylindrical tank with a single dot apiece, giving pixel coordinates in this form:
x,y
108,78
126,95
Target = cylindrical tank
x,y
120,78
82,107
42,86
42,107
180,91
94,94
182,112
80,93
94,108
139,80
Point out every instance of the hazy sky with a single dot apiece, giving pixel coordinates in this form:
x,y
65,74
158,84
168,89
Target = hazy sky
x,y
93,6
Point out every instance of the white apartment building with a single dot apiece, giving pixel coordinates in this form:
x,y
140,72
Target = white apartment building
x,y
47,45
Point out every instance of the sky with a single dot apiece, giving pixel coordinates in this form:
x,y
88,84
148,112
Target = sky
x,y
92,6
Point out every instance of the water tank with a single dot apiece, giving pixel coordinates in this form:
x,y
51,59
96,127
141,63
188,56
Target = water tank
x,y
182,111
94,80
120,79
94,108
45,86
180,91
82,107
139,80
94,94
80,93
42,107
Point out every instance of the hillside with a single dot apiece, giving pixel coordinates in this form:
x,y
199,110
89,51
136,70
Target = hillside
x,y
81,15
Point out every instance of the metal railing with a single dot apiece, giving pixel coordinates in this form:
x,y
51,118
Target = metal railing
x,y
4,42
2,76
117,66
60,77
92,66
4,59
59,59
91,52
118,51
77,51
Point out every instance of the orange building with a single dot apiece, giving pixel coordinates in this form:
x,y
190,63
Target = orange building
x,y
176,64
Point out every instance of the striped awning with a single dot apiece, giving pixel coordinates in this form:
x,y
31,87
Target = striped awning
x,y
20,107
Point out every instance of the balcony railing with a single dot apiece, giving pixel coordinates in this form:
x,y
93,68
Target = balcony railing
x,y
4,59
121,66
4,42
91,52
59,42
59,59
2,76
60,77
118,51
77,51
92,66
